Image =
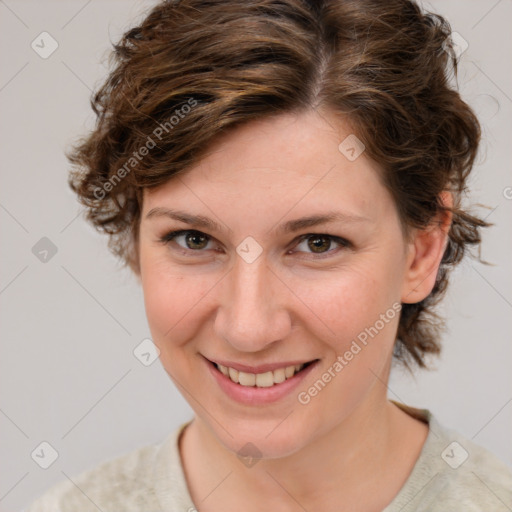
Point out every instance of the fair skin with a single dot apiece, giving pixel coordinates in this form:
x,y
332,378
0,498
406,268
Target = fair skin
x,y
348,448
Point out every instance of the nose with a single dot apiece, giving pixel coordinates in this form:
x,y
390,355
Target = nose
x,y
252,314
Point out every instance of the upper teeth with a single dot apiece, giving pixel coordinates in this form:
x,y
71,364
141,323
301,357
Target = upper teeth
x,y
261,380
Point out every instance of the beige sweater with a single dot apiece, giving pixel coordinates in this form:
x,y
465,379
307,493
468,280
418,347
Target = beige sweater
x,y
451,474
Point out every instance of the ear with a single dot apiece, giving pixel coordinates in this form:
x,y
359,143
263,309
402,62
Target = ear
x,y
425,251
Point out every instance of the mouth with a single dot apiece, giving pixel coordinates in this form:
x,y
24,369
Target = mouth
x,y
264,379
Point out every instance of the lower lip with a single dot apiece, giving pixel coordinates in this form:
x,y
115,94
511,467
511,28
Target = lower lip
x,y
254,395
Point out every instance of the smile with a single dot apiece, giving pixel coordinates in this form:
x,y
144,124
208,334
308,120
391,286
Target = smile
x,y
259,384
260,380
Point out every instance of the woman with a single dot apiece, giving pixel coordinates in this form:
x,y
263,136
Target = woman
x,y
285,178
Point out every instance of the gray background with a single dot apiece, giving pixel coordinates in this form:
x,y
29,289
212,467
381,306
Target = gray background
x,y
69,326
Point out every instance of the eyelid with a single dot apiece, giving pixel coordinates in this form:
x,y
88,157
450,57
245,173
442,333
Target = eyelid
x,y
338,239
170,236
343,242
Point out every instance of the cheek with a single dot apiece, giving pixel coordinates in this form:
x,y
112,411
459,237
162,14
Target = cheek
x,y
173,300
348,301
356,316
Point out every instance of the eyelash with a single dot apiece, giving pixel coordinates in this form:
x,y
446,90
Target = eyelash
x,y
345,244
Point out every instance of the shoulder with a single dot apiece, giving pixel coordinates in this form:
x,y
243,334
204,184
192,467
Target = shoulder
x,y
123,483
454,473
471,475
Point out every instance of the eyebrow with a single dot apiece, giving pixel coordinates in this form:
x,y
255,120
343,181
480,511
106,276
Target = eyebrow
x,y
290,226
199,221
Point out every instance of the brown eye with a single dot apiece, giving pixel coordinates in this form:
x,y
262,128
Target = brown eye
x,y
195,240
187,239
322,244
319,243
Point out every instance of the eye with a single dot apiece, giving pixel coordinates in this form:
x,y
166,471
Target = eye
x,y
191,239
320,243
315,243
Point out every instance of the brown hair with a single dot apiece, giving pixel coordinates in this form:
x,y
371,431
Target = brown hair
x,y
192,69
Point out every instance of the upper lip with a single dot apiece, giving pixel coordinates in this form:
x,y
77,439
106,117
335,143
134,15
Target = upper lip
x,y
260,368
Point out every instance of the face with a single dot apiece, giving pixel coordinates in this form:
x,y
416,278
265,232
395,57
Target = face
x,y
276,250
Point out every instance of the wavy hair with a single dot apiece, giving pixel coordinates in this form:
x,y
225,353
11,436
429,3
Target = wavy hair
x,y
193,69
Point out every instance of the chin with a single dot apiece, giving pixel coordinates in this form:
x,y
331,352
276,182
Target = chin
x,y
261,439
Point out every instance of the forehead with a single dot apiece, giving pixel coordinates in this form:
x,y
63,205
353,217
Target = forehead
x,y
305,143
279,161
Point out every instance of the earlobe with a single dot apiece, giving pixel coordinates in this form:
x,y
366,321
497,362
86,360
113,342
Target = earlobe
x,y
426,250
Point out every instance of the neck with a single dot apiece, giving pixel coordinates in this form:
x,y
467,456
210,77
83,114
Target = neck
x,y
343,464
